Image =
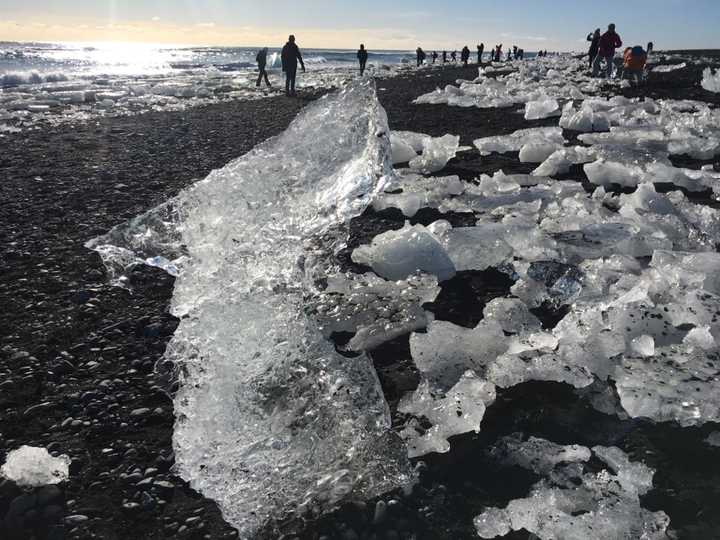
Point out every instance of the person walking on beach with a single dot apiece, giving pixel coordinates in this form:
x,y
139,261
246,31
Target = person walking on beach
x,y
261,59
609,41
453,56
444,57
498,52
420,56
594,40
480,49
634,60
290,56
465,55
362,56
434,56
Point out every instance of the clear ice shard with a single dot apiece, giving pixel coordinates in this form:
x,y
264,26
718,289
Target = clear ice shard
x,y
711,80
270,419
29,466
459,410
571,501
398,254
374,309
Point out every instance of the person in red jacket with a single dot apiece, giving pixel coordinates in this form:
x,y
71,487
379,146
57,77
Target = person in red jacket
x,y
609,41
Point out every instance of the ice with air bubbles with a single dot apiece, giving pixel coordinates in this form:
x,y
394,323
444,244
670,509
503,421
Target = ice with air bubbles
x,y
29,466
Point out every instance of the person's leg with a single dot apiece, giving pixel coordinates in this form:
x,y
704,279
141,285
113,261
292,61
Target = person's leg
x,y
292,82
610,66
287,83
596,65
260,74
267,81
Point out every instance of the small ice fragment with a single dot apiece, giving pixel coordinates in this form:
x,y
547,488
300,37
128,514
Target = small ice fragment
x,y
542,108
711,80
29,466
398,254
643,346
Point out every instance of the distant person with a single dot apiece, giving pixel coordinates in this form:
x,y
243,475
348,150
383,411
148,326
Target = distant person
x,y
465,55
420,56
480,49
498,52
453,56
261,59
521,54
634,60
509,56
514,53
290,56
609,41
434,56
594,40
444,57
650,48
362,56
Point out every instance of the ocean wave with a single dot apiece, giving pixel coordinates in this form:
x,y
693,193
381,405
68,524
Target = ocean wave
x,y
9,80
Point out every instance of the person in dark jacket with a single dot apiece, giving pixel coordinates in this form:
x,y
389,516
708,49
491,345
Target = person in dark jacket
x,y
594,40
362,55
465,55
434,56
453,56
290,56
444,57
420,56
609,41
480,49
261,59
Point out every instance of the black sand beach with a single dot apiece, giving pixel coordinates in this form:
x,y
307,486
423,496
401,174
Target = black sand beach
x,y
77,356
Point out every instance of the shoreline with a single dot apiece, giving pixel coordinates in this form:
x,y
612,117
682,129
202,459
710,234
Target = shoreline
x,y
77,365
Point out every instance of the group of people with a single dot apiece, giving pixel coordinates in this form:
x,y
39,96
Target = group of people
x,y
291,57
603,48
496,54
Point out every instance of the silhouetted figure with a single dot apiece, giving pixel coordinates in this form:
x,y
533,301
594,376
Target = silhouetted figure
x,y
434,56
480,49
609,41
290,56
498,52
420,56
444,57
261,59
453,56
594,40
514,52
362,56
521,54
509,56
650,47
465,55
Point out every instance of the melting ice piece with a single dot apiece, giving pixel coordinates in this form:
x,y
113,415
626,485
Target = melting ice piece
x,y
418,192
271,420
574,504
29,466
537,455
436,153
459,411
447,351
584,119
678,384
406,145
512,314
711,80
542,108
476,248
713,439
374,309
515,141
398,254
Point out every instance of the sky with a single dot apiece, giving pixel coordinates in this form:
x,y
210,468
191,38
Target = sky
x,y
556,25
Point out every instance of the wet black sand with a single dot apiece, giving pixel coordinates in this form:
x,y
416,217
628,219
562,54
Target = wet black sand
x,y
77,356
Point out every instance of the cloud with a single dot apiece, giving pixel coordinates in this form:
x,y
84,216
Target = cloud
x,y
523,38
155,19
206,25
